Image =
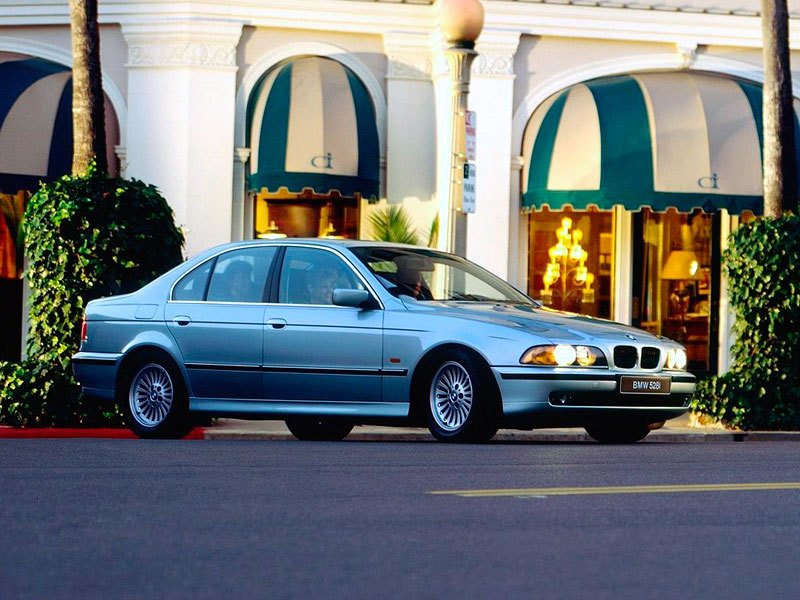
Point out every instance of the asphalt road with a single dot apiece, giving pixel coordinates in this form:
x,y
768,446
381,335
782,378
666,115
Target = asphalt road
x,y
196,519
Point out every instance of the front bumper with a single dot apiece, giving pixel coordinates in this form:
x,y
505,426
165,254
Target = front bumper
x,y
571,398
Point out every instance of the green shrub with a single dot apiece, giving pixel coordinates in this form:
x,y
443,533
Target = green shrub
x,y
762,389
86,237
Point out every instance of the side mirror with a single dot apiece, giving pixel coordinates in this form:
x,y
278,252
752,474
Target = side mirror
x,y
353,298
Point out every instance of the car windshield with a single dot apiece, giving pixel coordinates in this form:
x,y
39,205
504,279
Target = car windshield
x,y
429,275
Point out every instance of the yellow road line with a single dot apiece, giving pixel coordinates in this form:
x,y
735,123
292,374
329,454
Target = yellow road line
x,y
622,489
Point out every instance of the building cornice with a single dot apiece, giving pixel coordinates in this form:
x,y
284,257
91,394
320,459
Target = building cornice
x,y
623,21
183,43
409,55
496,50
608,23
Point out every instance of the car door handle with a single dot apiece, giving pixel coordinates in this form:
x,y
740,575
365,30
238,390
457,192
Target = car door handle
x,y
182,320
276,323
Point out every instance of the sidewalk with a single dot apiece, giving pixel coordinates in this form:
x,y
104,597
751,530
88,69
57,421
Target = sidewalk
x,y
675,430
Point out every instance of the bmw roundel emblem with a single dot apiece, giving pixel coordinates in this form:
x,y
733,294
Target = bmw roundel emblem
x,y
630,337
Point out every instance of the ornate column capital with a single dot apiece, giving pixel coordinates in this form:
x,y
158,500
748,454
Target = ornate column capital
x,y
122,154
409,56
184,43
240,155
496,51
687,51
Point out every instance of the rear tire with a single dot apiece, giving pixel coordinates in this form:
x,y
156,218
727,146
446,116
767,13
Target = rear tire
x,y
618,433
462,402
153,398
312,429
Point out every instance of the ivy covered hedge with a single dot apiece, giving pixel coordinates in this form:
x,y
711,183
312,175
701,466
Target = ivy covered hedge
x,y
85,237
762,389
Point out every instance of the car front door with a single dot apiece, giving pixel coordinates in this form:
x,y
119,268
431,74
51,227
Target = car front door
x,y
216,315
315,351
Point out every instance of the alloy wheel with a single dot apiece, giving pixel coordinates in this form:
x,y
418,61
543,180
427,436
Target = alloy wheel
x,y
151,395
451,396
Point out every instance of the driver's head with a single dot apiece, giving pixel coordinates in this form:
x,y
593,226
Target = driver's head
x,y
321,283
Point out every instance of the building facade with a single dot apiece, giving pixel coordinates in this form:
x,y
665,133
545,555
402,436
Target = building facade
x,y
618,143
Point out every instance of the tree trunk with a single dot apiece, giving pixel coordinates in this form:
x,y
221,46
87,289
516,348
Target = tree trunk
x,y
780,175
88,118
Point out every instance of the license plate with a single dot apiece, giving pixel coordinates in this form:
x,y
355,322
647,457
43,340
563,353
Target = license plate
x,y
644,385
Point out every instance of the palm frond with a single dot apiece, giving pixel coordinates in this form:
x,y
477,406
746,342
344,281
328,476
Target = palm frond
x,y
433,235
392,224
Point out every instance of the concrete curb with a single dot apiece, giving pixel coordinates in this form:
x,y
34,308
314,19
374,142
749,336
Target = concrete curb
x,y
6,432
232,429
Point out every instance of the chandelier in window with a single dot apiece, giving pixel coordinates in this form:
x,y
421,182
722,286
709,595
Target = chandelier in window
x,y
568,266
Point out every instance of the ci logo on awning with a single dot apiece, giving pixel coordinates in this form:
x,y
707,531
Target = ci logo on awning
x,y
323,161
709,183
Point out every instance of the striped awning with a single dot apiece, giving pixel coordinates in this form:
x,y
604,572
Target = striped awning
x,y
36,122
661,140
311,125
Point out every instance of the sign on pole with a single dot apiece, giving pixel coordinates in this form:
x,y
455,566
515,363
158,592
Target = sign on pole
x,y
468,195
472,122
468,200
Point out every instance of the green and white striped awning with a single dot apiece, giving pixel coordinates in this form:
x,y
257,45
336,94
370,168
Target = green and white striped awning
x,y
36,122
661,140
311,126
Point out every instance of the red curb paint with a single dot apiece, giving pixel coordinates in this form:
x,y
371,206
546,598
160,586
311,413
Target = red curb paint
x,y
198,433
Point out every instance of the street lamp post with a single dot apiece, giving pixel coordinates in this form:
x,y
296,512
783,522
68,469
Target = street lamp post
x,y
461,22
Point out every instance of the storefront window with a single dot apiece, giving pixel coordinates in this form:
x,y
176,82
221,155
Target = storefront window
x,y
12,207
571,264
674,290
305,215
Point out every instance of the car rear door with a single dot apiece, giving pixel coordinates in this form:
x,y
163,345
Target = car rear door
x,y
217,318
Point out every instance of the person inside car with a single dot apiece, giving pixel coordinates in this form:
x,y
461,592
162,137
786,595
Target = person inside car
x,y
239,275
321,284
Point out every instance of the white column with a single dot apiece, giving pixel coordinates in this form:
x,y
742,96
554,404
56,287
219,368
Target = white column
x,y
622,310
518,229
442,89
241,206
181,109
410,119
726,315
491,96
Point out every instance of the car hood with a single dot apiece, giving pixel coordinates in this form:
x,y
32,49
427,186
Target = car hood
x,y
555,325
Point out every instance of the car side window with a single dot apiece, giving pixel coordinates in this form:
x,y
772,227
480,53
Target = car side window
x,y
241,275
310,275
192,286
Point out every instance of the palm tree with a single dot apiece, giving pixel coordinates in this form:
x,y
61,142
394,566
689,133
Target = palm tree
x,y
88,119
780,175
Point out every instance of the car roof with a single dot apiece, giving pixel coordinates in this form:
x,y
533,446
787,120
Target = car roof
x,y
331,243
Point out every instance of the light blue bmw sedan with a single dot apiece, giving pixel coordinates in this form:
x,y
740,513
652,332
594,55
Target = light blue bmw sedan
x,y
329,334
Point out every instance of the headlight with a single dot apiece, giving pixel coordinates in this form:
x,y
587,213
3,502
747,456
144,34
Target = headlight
x,y
676,359
564,355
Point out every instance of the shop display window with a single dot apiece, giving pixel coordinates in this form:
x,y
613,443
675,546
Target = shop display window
x,y
306,215
676,280
12,207
571,260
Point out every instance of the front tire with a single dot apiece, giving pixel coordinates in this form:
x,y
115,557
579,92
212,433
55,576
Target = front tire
x,y
618,433
462,403
311,429
154,399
